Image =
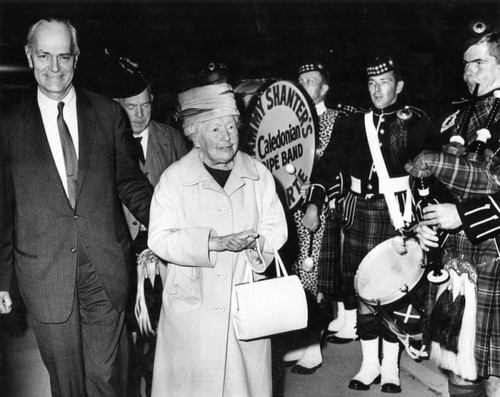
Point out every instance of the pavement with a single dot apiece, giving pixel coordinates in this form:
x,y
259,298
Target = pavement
x,y
22,373
342,362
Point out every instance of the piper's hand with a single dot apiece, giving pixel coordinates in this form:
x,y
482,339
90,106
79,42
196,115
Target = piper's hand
x,y
5,302
427,236
235,242
418,167
310,220
442,216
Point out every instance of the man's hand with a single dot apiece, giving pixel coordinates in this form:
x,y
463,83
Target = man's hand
x,y
442,216
427,237
310,220
5,302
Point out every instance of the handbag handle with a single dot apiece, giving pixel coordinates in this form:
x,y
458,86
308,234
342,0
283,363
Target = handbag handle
x,y
277,261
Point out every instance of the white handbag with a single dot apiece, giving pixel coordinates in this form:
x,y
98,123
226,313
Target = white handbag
x,y
269,306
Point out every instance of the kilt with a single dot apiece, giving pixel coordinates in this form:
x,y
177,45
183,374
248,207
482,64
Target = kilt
x,y
487,349
329,272
309,279
371,226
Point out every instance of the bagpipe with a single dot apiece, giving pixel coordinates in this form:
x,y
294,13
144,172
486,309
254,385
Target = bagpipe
x,y
467,171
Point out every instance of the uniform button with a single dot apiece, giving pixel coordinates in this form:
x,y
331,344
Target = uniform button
x,y
73,250
380,144
75,217
223,276
134,223
382,131
224,210
221,308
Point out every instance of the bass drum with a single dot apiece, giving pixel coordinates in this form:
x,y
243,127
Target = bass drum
x,y
280,129
390,282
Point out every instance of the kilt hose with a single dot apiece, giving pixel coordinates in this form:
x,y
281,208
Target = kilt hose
x,y
371,226
484,257
329,271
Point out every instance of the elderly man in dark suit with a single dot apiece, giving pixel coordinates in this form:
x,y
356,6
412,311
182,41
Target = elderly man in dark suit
x,y
69,165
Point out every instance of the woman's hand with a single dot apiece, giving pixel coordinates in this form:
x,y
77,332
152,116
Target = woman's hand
x,y
235,242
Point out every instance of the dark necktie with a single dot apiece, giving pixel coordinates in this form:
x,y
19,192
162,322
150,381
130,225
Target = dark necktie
x,y
140,151
69,152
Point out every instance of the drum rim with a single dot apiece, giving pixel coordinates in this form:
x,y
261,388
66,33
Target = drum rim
x,y
393,296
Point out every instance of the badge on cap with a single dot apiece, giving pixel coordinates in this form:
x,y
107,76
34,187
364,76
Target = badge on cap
x,y
380,66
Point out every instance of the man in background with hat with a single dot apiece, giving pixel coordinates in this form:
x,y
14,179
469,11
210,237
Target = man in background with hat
x,y
367,187
473,224
323,247
158,145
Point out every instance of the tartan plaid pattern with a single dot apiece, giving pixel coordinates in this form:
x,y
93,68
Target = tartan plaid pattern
x,y
487,350
464,178
329,275
370,227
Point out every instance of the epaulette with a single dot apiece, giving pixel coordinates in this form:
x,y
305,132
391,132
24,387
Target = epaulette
x,y
408,112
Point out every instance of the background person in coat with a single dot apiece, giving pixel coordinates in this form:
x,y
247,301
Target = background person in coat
x,y
158,146
208,211
65,231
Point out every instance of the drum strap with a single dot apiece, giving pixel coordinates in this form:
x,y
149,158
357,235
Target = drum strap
x,y
399,220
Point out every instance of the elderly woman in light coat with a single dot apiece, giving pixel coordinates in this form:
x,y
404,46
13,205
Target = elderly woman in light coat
x,y
210,212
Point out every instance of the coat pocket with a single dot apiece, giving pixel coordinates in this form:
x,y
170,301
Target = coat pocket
x,y
183,288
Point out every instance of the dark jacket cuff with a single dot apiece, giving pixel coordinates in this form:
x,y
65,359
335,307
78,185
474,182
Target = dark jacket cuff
x,y
480,218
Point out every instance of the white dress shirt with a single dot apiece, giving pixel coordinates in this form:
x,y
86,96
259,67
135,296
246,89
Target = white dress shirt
x,y
48,109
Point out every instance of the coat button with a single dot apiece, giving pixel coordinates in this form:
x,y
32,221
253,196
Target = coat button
x,y
134,223
223,276
73,250
220,309
224,210
75,217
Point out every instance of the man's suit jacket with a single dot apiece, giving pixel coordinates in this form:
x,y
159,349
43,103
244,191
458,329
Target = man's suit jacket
x,y
165,146
41,227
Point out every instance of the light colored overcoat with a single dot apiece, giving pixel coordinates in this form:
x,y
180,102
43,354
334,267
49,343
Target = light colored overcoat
x,y
197,353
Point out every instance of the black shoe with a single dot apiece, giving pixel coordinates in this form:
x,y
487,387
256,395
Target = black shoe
x,y
287,364
299,369
339,341
390,388
358,385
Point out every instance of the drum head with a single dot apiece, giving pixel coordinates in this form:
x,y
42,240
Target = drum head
x,y
386,275
280,125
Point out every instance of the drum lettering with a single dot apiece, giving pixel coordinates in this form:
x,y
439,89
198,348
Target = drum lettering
x,y
301,175
257,115
269,98
262,147
306,131
272,163
292,154
290,192
274,99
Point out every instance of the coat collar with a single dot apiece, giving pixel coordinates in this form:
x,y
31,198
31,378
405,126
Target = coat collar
x,y
193,172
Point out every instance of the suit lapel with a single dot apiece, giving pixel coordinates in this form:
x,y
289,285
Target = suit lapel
x,y
36,140
87,123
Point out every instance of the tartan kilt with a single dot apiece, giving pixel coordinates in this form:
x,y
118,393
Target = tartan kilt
x,y
329,272
309,280
487,349
371,226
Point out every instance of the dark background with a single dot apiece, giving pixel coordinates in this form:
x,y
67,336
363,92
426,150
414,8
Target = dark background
x,y
173,40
